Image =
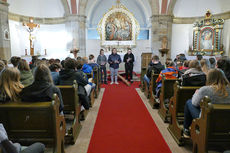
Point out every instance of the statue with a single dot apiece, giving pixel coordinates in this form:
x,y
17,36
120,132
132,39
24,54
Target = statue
x,y
164,43
30,28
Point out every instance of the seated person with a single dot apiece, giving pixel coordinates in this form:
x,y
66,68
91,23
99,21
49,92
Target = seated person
x,y
92,62
205,65
170,73
183,68
8,147
86,67
155,66
55,68
212,62
67,77
217,89
10,85
15,60
224,64
194,76
42,89
26,76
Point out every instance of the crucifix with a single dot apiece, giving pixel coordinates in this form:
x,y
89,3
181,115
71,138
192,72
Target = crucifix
x,y
30,28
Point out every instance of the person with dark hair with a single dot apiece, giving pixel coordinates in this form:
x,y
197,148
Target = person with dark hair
x,y
26,76
224,64
155,66
15,60
32,63
42,89
67,77
55,68
212,61
92,62
129,60
114,61
217,89
199,57
6,146
102,61
170,73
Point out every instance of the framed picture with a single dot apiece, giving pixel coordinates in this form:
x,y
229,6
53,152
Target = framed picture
x,y
207,37
118,28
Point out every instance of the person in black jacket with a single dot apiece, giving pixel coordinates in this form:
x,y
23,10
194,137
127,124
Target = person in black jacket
x,y
129,59
67,77
155,66
42,89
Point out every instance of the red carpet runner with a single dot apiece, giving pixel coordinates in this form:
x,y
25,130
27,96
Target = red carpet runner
x,y
124,125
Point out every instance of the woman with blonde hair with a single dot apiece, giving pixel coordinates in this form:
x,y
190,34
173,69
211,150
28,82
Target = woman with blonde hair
x,y
205,65
10,85
217,89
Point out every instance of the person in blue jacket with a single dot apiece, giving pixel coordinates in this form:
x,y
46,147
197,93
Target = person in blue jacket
x,y
114,61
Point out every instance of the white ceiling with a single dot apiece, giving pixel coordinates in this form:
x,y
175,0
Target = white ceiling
x,y
95,10
193,8
37,8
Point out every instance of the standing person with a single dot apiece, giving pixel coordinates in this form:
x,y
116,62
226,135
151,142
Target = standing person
x,y
114,61
102,61
129,59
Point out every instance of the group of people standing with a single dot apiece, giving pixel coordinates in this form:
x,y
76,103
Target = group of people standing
x,y
114,60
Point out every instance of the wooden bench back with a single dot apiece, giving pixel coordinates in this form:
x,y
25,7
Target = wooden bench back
x,y
167,89
33,122
70,96
212,128
153,82
181,95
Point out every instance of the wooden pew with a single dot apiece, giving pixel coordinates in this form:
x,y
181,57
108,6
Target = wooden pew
x,y
167,91
143,72
152,90
96,80
176,110
27,123
72,109
212,128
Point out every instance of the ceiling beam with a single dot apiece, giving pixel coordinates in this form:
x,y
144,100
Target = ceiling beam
x,y
66,7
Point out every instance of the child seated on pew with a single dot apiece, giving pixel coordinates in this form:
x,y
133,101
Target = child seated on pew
x,y
8,147
170,73
217,89
10,85
42,89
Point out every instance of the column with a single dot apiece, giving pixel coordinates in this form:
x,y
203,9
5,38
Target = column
x,y
161,27
76,27
5,50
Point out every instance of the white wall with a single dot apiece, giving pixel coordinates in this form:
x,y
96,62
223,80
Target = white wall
x,y
37,8
181,39
93,47
54,38
226,40
192,8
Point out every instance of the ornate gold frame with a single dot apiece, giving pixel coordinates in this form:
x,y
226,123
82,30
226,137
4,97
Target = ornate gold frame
x,y
116,43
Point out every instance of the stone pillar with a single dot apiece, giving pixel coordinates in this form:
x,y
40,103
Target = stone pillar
x,y
76,27
5,50
161,27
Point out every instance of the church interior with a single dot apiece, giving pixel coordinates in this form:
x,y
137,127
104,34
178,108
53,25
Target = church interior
x,y
128,106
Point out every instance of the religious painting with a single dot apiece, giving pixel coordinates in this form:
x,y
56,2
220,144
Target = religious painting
x,y
118,27
207,36
206,39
